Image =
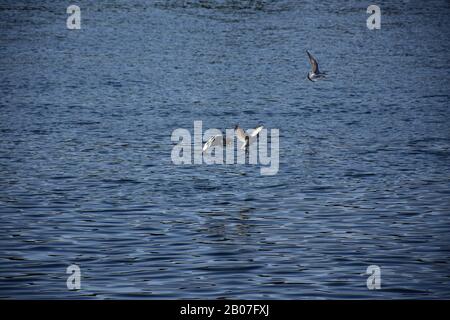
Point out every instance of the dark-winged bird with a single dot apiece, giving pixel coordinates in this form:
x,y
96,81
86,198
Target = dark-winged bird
x,y
314,74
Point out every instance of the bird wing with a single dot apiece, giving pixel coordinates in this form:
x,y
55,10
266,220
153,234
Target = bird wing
x,y
211,141
314,63
240,134
256,131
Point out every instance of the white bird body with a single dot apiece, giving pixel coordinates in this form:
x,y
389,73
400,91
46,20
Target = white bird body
x,y
220,140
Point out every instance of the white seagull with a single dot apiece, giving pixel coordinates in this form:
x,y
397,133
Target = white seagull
x,y
246,138
216,140
314,74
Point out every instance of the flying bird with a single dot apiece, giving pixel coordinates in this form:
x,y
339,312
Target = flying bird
x,y
314,74
246,138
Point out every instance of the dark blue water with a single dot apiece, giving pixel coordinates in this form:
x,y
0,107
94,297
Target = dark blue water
x,y
86,176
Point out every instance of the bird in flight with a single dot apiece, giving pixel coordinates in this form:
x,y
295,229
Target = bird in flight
x,y
314,74
245,138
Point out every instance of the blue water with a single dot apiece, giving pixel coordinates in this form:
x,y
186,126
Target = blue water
x,y
86,177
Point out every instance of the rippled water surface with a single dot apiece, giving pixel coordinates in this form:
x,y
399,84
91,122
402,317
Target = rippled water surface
x,y
86,176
